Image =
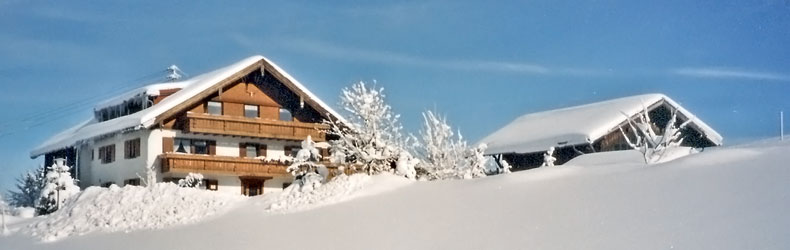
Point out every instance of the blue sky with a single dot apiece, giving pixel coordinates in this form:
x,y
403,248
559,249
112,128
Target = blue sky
x,y
480,63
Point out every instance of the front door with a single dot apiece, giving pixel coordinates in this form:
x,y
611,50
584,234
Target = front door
x,y
252,187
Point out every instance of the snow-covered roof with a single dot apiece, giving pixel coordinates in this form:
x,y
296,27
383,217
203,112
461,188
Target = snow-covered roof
x,y
579,125
147,117
149,90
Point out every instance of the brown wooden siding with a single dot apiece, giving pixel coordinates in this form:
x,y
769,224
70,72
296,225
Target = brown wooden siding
x,y
186,163
251,127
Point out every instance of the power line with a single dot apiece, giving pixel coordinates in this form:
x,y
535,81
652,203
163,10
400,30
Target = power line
x,y
45,117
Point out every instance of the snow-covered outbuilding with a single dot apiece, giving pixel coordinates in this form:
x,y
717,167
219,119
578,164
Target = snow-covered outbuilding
x,y
589,128
236,125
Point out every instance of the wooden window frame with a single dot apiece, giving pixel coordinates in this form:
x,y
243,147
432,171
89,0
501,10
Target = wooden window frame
x,y
107,154
207,184
260,149
131,148
208,108
280,114
257,111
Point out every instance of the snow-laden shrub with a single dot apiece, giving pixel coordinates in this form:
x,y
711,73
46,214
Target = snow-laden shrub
x,y
371,139
505,166
652,145
447,155
192,180
548,158
405,165
308,173
28,188
58,188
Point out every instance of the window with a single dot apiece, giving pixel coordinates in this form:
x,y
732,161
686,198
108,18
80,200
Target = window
x,y
214,108
251,111
292,150
133,182
182,146
201,147
188,146
107,154
285,115
210,184
131,149
286,184
252,151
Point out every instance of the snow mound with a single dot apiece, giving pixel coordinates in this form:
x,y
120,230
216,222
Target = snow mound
x,y
339,189
131,208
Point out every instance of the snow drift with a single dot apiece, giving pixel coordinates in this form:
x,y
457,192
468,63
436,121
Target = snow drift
x,y
131,208
725,198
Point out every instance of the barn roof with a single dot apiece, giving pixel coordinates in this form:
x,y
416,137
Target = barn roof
x,y
580,125
192,87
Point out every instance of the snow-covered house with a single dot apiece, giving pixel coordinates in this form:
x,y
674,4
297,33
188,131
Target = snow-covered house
x,y
589,128
237,126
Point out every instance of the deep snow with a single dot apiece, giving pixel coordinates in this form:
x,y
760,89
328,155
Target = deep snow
x,y
726,198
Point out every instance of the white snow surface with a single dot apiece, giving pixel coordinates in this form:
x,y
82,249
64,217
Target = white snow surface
x,y
578,125
145,118
131,208
722,198
339,189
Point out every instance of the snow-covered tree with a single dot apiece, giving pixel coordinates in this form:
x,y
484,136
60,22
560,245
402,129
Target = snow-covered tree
x,y
58,187
3,210
192,180
28,188
371,139
306,169
652,145
548,158
447,155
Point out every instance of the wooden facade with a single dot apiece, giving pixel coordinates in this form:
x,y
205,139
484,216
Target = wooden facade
x,y
264,91
222,165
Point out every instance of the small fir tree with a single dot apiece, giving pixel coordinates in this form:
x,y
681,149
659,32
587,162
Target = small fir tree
x,y
58,188
306,169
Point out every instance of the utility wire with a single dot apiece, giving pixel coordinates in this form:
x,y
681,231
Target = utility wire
x,y
45,117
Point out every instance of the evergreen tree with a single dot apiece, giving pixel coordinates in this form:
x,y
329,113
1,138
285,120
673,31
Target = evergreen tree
x,y
28,188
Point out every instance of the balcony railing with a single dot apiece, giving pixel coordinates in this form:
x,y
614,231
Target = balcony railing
x,y
262,128
223,165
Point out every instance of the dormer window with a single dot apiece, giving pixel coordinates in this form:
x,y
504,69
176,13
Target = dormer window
x,y
214,108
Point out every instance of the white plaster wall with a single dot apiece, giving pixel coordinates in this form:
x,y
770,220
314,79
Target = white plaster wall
x,y
276,184
121,169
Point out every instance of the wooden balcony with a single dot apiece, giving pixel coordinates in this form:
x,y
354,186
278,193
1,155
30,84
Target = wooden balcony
x,y
222,165
252,127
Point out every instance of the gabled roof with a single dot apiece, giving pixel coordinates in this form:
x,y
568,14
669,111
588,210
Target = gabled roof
x,y
580,125
192,87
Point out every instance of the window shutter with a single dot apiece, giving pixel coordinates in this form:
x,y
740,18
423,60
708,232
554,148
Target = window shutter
x,y
167,144
242,150
262,150
212,147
